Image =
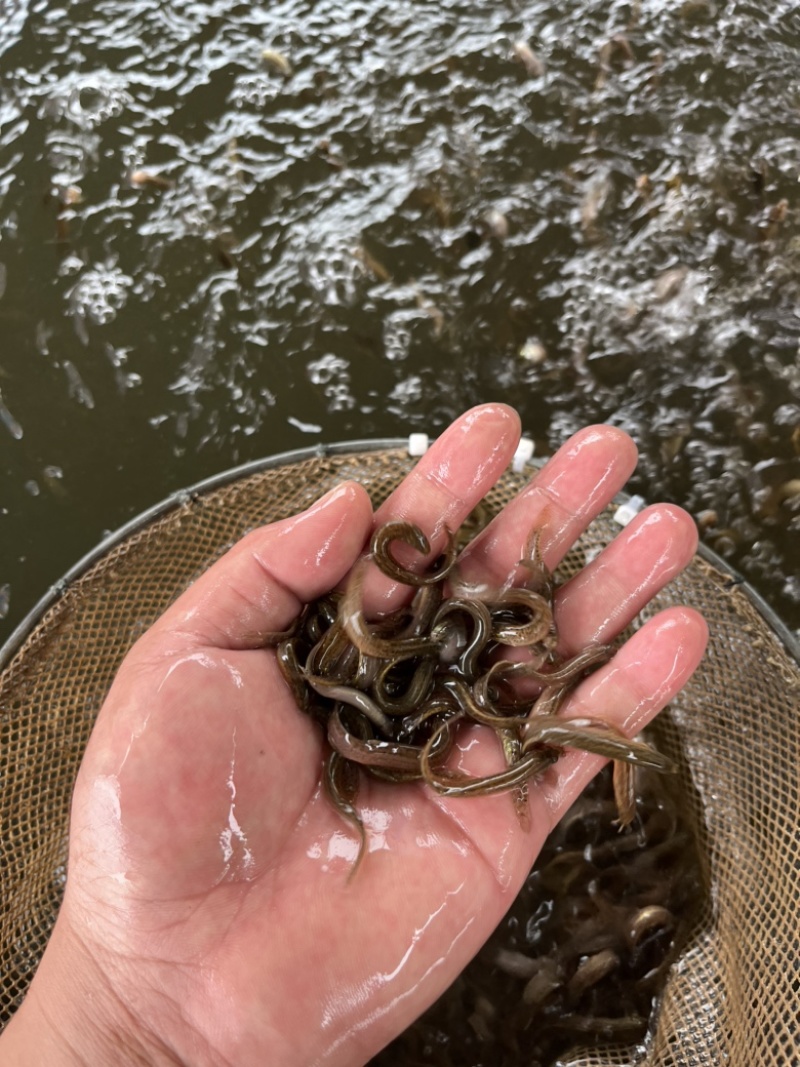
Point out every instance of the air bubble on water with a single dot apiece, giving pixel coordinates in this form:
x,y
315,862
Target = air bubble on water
x,y
786,415
332,274
117,357
563,424
254,91
332,374
339,397
5,599
789,373
70,157
328,368
405,394
32,487
97,296
70,265
398,330
132,380
86,100
95,102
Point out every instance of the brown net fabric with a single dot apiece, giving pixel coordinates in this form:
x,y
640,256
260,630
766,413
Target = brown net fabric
x,y
732,997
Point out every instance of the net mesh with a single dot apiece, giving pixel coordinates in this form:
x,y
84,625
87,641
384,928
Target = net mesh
x,y
731,997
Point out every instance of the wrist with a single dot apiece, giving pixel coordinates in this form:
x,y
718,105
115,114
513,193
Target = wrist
x,y
73,1017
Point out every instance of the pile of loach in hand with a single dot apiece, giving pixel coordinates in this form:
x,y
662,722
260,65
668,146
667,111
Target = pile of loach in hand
x,y
391,694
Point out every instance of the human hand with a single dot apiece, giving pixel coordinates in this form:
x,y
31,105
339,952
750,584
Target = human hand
x,y
208,917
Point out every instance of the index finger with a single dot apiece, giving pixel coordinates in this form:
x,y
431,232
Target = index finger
x,y
455,473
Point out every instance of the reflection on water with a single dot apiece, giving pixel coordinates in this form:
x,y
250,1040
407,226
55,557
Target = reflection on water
x,y
228,230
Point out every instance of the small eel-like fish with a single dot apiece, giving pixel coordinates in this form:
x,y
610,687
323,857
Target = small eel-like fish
x,y
623,778
455,784
386,755
293,674
649,918
591,735
358,629
427,601
538,626
321,616
550,699
481,620
415,691
540,576
439,705
341,779
334,656
570,670
472,709
354,697
410,534
591,970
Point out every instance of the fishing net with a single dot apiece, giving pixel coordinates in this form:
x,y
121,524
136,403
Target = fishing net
x,y
731,996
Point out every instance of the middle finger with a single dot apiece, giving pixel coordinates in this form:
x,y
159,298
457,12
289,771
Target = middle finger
x,y
570,490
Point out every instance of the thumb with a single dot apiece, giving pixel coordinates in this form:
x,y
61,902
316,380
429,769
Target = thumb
x,y
260,584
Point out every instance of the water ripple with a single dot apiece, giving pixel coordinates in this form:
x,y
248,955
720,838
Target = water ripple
x,y
317,239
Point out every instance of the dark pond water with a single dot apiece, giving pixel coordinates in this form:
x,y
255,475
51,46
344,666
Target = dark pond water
x,y
209,254
205,258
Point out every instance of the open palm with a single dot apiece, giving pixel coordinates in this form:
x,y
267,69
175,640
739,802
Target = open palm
x,y
208,897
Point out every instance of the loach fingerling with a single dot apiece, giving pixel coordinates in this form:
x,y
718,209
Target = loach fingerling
x,y
354,697
372,752
568,670
341,779
591,735
358,630
468,654
410,534
508,630
417,686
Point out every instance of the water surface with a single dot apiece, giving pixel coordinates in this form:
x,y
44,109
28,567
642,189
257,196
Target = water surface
x,y
205,258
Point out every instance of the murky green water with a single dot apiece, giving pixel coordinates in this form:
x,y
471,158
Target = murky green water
x,y
204,260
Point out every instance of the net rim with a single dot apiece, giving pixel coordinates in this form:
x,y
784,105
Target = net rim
x,y
181,497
